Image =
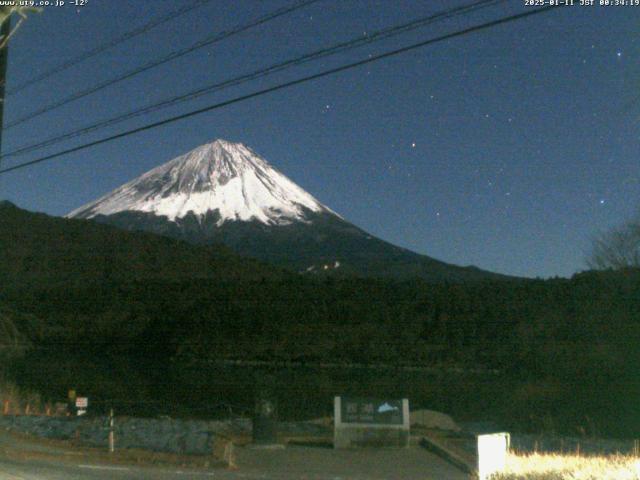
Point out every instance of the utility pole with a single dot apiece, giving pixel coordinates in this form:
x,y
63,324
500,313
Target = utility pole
x,y
5,30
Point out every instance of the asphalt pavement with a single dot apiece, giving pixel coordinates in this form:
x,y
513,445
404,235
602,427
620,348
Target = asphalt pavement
x,y
22,459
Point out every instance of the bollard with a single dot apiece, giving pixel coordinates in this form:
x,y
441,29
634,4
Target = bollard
x,y
112,442
492,454
229,456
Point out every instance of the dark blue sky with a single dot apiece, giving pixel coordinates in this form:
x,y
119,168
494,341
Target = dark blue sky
x,y
507,149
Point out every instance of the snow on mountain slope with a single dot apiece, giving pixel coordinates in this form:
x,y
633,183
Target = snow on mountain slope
x,y
223,176
223,193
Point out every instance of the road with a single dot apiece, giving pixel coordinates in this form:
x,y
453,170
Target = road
x,y
27,460
285,465
37,470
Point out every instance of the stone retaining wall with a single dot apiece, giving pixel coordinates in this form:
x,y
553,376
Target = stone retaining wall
x,y
161,435
196,437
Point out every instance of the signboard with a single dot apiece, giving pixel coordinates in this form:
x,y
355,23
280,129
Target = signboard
x,y
379,412
81,405
370,422
492,454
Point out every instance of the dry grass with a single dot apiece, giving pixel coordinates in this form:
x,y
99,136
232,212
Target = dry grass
x,y
15,401
540,466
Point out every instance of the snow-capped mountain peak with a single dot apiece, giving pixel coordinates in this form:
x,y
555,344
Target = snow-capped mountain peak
x,y
220,176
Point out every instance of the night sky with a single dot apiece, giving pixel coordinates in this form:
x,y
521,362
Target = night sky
x,y
508,149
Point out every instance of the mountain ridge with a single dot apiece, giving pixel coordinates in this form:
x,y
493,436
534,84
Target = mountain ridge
x,y
220,175
223,192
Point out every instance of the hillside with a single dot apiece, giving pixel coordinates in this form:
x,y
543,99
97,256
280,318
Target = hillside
x,y
39,249
326,246
144,326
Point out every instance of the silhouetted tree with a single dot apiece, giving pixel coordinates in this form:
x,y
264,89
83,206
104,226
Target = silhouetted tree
x,y
618,248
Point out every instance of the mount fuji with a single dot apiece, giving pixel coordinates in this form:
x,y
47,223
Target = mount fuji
x,y
223,192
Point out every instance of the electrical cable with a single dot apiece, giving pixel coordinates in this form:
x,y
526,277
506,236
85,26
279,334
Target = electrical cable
x,y
278,67
110,44
167,58
282,86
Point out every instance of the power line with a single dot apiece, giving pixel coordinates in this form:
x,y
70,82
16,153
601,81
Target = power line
x,y
167,58
110,44
282,86
315,55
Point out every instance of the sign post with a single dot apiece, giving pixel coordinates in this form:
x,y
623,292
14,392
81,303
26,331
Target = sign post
x,y
370,422
71,402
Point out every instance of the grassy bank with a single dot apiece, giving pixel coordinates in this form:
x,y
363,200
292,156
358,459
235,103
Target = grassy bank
x,y
575,467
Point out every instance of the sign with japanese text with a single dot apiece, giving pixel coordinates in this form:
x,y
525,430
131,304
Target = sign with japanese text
x,y
374,411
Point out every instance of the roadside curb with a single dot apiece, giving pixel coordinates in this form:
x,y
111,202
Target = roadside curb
x,y
448,454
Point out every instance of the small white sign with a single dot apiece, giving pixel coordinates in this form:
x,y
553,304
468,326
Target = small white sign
x,y
387,408
492,454
82,402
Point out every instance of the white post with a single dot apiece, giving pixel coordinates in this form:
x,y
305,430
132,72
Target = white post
x,y
406,415
492,454
112,443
